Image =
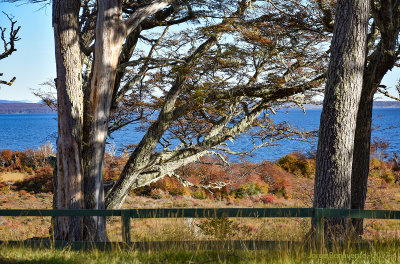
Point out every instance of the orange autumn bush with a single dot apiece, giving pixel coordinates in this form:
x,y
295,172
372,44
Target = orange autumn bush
x,y
41,182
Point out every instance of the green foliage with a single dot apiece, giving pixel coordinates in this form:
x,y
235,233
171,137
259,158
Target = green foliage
x,y
250,189
240,193
200,194
297,164
386,253
382,169
375,164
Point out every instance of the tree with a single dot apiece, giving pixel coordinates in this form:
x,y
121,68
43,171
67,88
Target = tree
x,y
193,88
383,53
382,56
198,107
69,177
337,127
9,44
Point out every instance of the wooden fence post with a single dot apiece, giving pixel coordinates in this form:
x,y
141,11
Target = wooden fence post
x,y
126,226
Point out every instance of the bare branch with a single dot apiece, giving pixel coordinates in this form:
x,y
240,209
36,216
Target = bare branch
x,y
386,93
144,12
8,83
9,43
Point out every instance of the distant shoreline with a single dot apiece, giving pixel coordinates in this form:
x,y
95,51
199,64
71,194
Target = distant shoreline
x,y
20,108
24,108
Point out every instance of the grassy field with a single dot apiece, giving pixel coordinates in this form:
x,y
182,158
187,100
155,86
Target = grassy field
x,y
376,254
258,185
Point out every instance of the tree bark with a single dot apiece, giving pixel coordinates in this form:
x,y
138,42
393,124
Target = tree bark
x,y
111,31
69,192
110,34
338,118
381,61
361,155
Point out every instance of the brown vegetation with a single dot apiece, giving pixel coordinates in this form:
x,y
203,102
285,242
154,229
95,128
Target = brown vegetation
x,y
286,183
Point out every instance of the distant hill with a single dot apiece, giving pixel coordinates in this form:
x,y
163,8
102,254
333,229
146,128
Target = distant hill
x,y
15,107
377,104
9,102
386,104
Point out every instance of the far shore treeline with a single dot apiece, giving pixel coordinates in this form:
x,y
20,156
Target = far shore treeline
x,y
15,107
7,107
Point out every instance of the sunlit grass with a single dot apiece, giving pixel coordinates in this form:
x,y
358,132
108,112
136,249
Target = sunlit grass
x,y
385,253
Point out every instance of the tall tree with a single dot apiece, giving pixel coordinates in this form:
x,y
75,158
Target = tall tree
x,y
383,52
69,181
205,84
382,55
342,96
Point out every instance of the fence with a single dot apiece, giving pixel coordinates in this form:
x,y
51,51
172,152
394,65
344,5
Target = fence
x,y
126,214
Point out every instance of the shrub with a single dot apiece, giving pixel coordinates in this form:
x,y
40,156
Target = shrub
x,y
142,191
220,228
239,193
113,166
41,182
388,176
382,169
157,194
375,164
252,188
268,198
199,194
6,157
297,164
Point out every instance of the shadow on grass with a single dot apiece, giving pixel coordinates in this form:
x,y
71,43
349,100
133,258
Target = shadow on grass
x,y
44,260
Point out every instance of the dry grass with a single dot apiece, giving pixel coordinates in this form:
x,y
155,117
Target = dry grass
x,y
13,176
387,253
380,196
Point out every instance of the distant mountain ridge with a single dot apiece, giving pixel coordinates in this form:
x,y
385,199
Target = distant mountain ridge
x,y
15,107
386,104
377,104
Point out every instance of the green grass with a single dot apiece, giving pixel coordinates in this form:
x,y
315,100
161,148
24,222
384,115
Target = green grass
x,y
387,253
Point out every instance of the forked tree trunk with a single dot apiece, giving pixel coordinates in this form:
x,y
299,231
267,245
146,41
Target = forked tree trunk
x,y
338,118
110,34
69,192
75,189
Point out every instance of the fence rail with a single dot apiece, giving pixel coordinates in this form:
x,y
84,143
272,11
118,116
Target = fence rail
x,y
126,214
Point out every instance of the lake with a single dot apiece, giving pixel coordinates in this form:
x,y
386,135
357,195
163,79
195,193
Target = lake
x,y
20,132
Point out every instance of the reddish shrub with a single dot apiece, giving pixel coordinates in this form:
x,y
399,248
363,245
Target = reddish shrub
x,y
113,166
6,157
277,178
41,182
268,198
171,185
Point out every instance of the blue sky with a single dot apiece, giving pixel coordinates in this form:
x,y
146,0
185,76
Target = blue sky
x,y
33,63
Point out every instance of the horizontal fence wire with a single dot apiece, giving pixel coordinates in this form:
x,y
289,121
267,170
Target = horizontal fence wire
x,y
127,214
209,212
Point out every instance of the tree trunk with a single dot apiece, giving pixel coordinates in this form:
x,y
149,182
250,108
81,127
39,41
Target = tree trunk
x,y
381,61
360,168
338,118
69,192
110,34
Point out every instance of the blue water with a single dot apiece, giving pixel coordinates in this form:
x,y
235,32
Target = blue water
x,y
20,132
